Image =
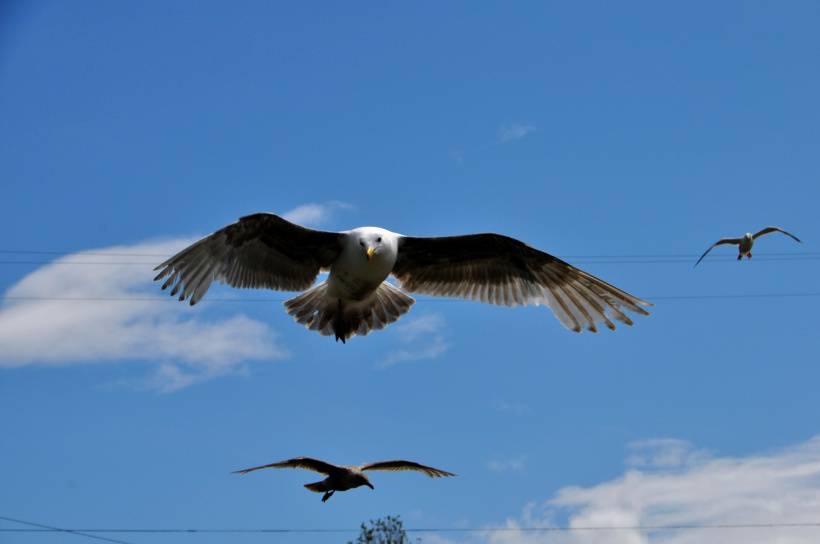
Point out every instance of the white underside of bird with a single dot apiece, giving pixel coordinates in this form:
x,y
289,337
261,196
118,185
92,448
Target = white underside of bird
x,y
264,250
355,295
746,242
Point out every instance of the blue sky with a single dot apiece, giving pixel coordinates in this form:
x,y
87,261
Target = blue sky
x,y
584,129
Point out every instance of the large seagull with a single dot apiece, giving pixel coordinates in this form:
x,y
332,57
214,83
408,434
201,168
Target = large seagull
x,y
265,251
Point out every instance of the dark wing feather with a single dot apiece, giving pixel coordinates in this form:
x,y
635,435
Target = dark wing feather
x,y
260,251
406,465
502,270
298,462
735,241
767,230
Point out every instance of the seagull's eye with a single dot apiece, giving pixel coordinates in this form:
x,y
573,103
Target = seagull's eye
x,y
379,239
361,243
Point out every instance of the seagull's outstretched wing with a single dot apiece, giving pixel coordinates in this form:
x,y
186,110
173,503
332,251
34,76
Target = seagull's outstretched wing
x,y
502,270
406,465
261,251
724,241
768,230
298,462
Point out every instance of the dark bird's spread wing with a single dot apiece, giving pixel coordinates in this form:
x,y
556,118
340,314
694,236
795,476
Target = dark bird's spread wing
x,y
502,270
260,251
768,230
735,241
406,465
298,462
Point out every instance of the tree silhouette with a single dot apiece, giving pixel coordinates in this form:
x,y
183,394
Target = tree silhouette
x,y
386,530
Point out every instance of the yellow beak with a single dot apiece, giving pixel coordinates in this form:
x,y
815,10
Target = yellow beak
x,y
370,252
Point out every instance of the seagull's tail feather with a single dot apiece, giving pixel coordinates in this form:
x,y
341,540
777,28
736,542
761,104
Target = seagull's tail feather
x,y
381,308
318,487
344,318
314,309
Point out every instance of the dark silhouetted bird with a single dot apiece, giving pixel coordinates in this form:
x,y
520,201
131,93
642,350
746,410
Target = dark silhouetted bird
x,y
342,478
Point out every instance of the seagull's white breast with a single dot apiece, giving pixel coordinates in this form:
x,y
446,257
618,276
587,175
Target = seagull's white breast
x,y
746,244
353,275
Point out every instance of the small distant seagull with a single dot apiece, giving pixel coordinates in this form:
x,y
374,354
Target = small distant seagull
x,y
342,478
746,242
266,251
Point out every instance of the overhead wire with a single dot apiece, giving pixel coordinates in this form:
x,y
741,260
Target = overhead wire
x,y
763,258
258,300
639,258
585,256
41,527
92,532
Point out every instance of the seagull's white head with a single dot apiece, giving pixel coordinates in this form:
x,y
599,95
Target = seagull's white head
x,y
748,236
376,243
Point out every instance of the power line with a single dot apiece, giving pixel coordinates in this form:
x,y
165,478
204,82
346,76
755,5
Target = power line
x,y
81,252
51,529
101,263
728,259
677,527
639,258
688,263
737,296
258,300
611,256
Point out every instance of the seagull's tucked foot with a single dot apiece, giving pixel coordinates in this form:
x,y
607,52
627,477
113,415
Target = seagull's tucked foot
x,y
318,311
739,257
749,255
327,495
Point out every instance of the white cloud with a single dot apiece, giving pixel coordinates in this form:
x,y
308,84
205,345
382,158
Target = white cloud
x,y
423,326
664,453
315,214
506,134
420,338
505,465
36,329
685,487
434,538
515,131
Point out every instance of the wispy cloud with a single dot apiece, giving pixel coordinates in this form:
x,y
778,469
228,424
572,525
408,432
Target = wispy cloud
x,y
315,214
516,463
685,486
664,453
515,131
420,338
506,134
41,325
119,317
